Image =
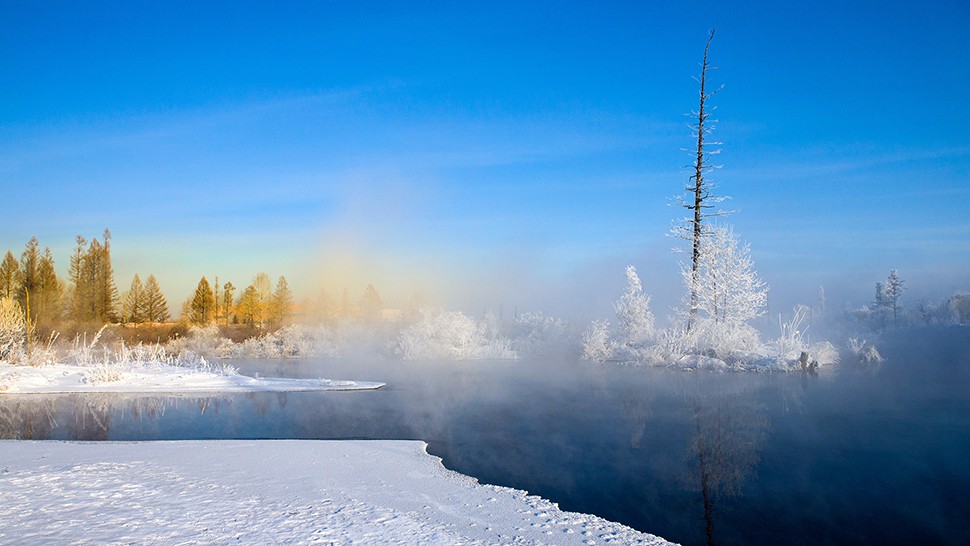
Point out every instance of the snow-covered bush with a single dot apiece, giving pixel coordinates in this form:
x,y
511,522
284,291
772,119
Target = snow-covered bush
x,y
533,334
13,331
451,335
203,340
597,345
864,351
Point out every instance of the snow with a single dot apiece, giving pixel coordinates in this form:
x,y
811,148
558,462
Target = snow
x,y
154,378
270,491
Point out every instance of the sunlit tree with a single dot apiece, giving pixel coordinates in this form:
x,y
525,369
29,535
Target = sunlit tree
x,y
9,270
203,303
281,303
156,308
133,303
228,293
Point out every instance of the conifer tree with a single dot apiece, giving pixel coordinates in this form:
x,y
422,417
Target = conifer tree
x,y
49,291
108,292
892,292
78,297
248,307
228,292
156,308
133,306
371,304
203,303
9,272
217,298
281,303
29,278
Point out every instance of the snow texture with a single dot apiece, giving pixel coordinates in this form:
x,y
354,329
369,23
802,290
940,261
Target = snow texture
x,y
156,378
270,492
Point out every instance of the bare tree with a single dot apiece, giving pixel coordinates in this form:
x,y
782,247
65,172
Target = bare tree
x,y
700,199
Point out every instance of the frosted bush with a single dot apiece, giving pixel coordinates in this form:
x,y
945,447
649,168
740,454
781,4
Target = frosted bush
x,y
13,331
534,334
597,345
203,340
864,352
452,335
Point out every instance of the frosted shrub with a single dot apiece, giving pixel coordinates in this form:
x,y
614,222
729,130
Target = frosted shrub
x,y
864,352
13,331
534,334
204,340
597,345
452,335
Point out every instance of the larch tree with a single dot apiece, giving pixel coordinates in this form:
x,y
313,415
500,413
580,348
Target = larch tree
x,y
9,271
203,303
133,304
263,290
29,279
228,293
699,199
49,291
156,308
370,304
248,307
281,303
218,299
107,291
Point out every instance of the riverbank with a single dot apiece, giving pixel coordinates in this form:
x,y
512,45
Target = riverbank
x,y
271,491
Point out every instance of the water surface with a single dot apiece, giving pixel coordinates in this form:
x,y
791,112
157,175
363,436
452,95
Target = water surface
x,y
862,455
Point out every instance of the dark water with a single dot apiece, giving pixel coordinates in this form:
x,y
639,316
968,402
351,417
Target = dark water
x,y
862,456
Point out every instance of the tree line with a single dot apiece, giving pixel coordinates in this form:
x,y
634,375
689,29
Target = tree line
x,y
89,294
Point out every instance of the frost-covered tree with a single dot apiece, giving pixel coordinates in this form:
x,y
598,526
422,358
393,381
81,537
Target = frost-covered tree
x,y
133,303
891,293
203,303
726,285
8,276
699,199
156,308
633,312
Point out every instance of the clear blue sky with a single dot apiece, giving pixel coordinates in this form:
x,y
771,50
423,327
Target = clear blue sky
x,y
492,153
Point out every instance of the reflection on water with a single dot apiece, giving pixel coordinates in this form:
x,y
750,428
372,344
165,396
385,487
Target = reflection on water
x,y
864,457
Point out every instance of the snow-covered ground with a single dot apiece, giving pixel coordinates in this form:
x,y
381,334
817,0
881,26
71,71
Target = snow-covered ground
x,y
62,378
270,492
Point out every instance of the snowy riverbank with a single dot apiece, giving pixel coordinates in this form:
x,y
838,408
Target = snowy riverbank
x,y
270,491
154,378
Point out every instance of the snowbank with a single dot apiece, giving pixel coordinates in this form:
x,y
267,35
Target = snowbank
x,y
62,378
261,492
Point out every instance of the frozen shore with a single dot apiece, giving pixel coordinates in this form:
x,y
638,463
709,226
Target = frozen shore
x,y
270,491
153,378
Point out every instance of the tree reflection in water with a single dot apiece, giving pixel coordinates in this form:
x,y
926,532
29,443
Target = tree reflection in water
x,y
85,417
725,449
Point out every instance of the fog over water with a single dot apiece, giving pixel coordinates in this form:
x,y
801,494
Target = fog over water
x,y
872,454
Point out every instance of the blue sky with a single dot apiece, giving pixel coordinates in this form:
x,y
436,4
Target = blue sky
x,y
514,154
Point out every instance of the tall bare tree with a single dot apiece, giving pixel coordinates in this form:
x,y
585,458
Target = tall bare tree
x,y
700,200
